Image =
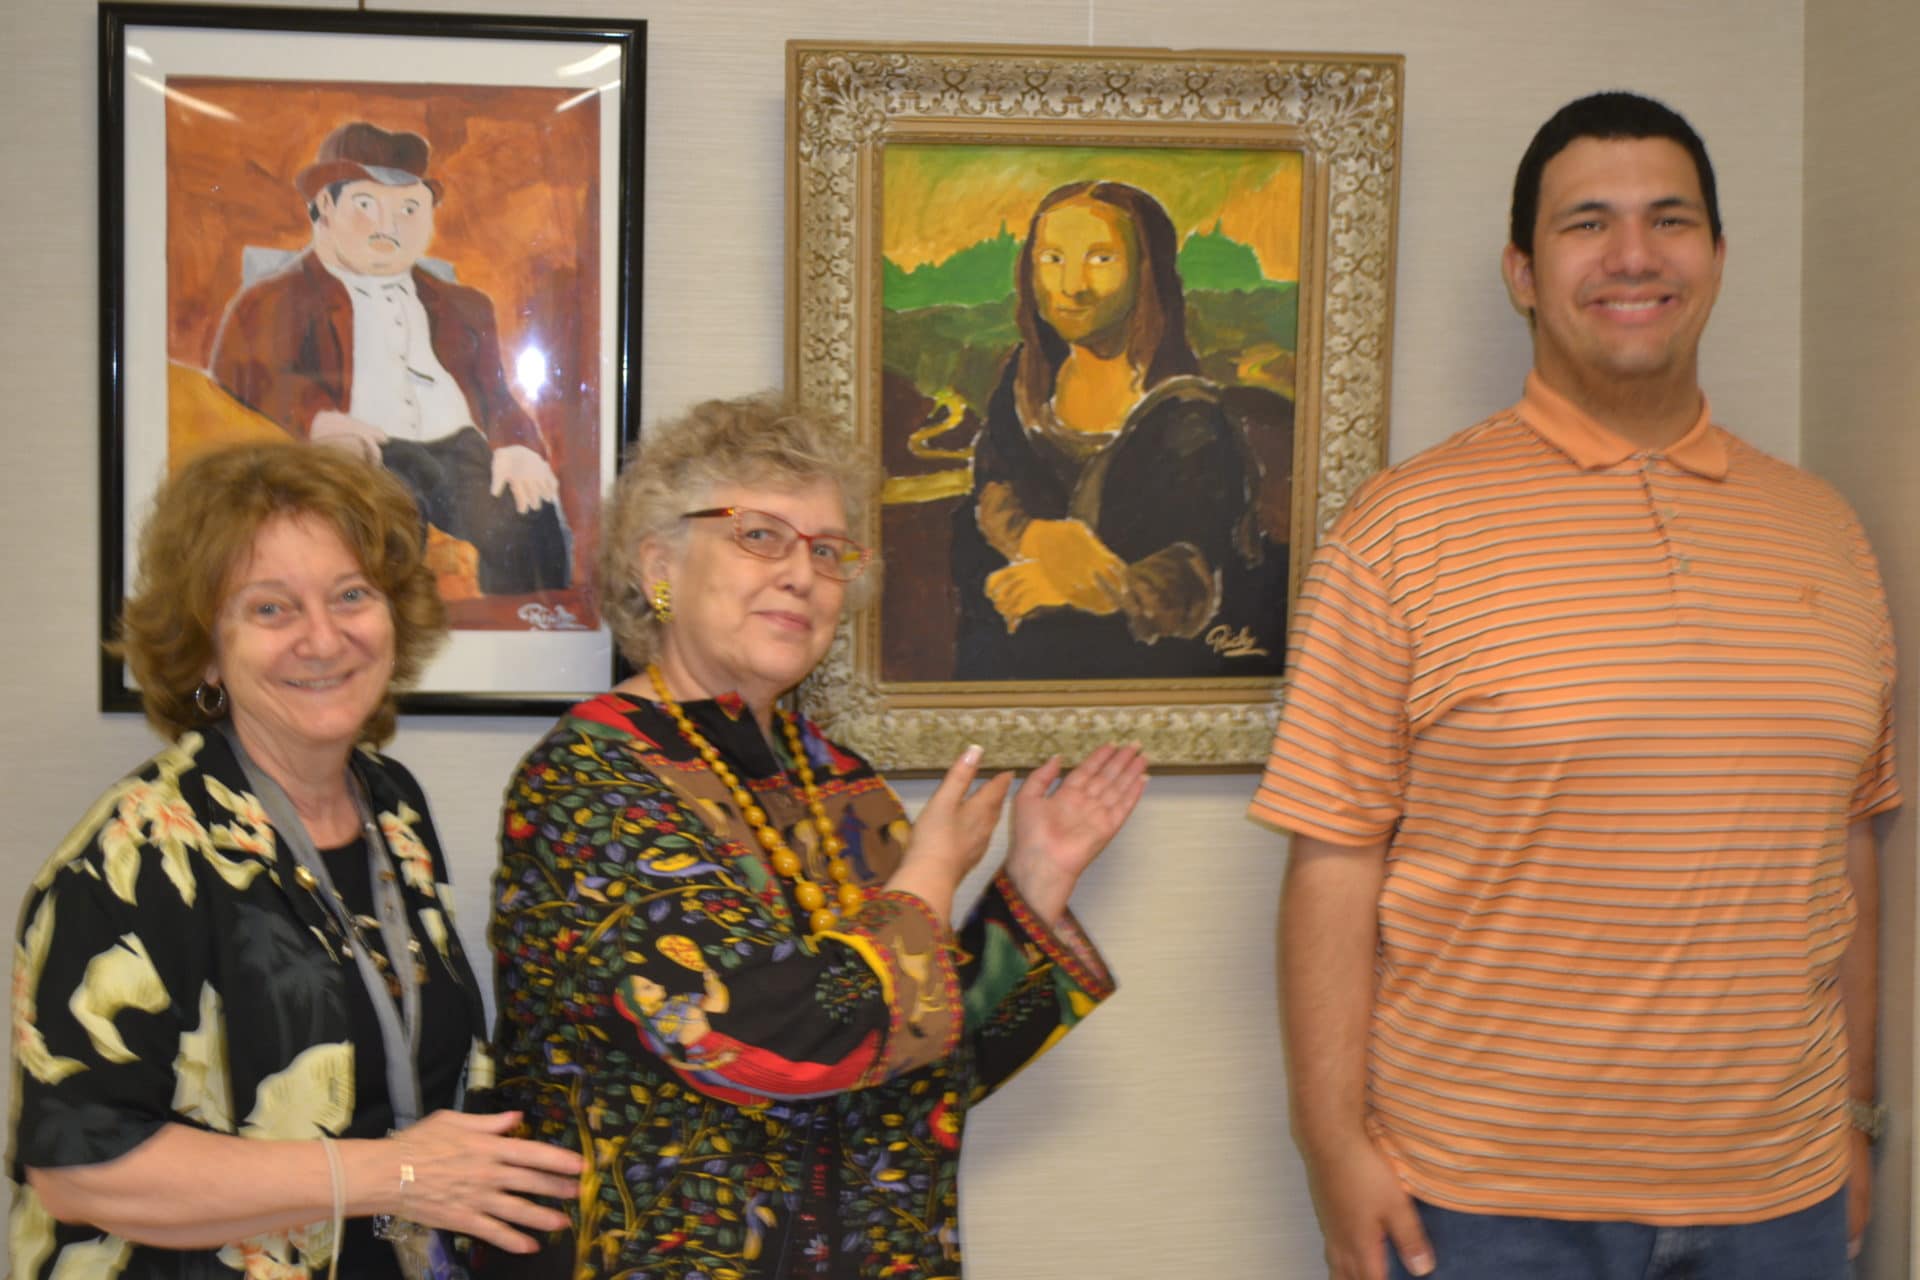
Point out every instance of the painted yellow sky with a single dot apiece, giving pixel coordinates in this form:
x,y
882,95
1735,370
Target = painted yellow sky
x,y
938,199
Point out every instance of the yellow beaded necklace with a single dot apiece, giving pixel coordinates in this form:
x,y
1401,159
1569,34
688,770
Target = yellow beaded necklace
x,y
812,899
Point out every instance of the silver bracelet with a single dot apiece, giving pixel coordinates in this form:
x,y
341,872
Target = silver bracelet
x,y
339,1180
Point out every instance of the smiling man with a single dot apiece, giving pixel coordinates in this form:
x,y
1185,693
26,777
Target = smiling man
x,y
1590,713
358,343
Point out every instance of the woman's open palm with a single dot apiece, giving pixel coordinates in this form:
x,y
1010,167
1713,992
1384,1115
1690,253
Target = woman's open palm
x,y
1060,824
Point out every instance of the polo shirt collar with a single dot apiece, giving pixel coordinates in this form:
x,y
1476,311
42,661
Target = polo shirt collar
x,y
1557,420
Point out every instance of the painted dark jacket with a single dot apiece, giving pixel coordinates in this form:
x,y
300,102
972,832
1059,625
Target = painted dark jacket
x,y
1175,496
285,349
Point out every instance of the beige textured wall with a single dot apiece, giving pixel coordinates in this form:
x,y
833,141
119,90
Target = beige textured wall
x,y
1153,1141
1860,399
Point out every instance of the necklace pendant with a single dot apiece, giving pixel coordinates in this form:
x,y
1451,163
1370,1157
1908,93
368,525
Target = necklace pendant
x,y
305,879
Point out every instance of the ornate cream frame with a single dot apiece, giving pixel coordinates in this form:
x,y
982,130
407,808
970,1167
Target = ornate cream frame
x,y
846,102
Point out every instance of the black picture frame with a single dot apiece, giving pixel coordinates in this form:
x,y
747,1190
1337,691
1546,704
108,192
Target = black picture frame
x,y
208,117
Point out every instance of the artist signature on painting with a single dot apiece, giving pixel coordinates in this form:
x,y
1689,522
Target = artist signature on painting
x,y
1231,643
557,618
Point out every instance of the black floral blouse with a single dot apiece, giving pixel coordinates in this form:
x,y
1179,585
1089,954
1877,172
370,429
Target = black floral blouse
x,y
753,1102
169,970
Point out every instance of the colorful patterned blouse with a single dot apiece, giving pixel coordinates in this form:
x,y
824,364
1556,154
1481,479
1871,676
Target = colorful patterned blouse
x,y
753,1102
169,970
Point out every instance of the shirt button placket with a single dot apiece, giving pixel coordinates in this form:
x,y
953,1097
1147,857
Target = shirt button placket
x,y
1682,570
1664,515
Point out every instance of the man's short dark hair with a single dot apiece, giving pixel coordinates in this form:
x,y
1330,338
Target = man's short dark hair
x,y
1608,116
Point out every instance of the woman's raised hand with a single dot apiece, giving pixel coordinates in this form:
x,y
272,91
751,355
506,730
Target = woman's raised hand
x,y
1061,824
467,1176
951,834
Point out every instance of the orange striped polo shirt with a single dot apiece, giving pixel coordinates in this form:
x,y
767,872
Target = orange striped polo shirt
x,y
1616,710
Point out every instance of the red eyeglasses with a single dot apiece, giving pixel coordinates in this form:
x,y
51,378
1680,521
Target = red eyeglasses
x,y
763,534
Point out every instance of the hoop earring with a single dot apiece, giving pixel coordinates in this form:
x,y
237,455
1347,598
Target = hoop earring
x,y
662,602
210,700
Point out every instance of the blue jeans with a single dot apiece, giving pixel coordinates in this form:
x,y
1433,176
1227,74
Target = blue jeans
x,y
1808,1245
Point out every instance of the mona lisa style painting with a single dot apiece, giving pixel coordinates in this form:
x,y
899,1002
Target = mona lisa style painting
x,y
1105,340
1114,324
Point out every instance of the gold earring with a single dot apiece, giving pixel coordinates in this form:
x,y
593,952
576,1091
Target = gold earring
x,y
662,602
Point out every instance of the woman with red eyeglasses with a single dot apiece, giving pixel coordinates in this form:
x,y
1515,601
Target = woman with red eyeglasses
x,y
728,971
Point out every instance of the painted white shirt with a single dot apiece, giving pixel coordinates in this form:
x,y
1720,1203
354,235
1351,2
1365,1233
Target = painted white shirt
x,y
399,384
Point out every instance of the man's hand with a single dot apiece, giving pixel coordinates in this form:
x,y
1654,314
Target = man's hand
x,y
527,474
1329,940
1859,1194
343,431
1364,1211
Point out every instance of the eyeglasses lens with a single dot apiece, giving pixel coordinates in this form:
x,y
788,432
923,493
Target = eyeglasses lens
x,y
772,538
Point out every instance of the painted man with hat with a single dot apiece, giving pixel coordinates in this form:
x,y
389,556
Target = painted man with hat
x,y
356,343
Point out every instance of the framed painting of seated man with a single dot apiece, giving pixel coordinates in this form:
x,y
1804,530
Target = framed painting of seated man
x,y
407,242
1092,356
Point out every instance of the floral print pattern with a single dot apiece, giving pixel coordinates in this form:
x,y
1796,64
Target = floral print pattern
x,y
753,1102
416,864
169,970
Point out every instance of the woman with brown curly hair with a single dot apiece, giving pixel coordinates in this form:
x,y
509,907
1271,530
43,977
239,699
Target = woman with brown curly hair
x,y
236,977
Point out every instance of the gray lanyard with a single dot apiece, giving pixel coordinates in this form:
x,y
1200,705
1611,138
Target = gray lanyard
x,y
399,1027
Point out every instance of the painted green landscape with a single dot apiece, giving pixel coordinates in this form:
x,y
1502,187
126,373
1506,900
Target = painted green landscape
x,y
950,324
